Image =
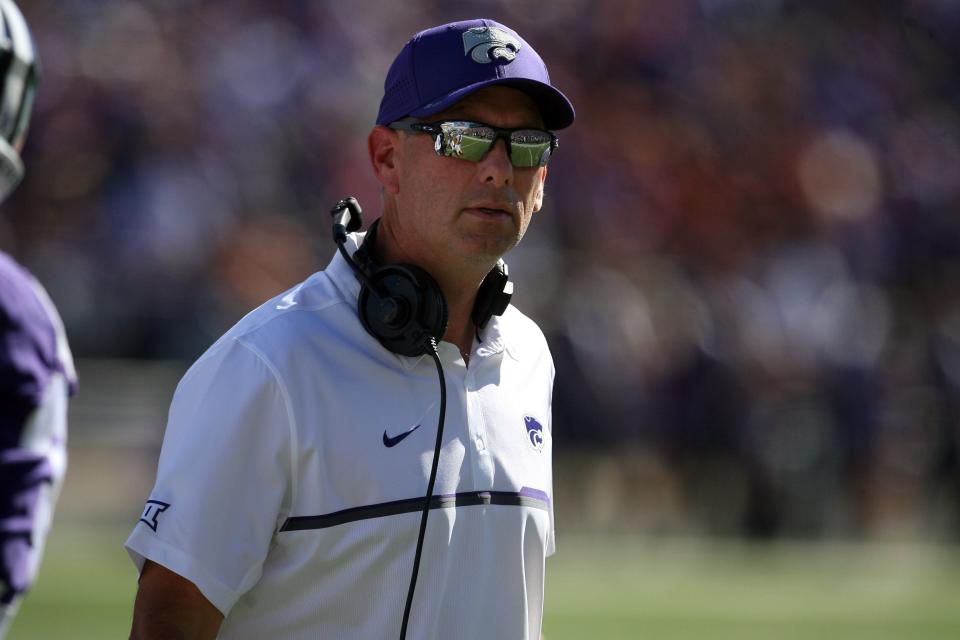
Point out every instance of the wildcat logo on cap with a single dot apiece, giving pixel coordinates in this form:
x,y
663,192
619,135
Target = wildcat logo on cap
x,y
486,44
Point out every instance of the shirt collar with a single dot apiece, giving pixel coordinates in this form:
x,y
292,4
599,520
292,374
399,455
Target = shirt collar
x,y
493,340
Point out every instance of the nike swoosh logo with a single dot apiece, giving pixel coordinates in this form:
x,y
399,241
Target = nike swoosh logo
x,y
395,440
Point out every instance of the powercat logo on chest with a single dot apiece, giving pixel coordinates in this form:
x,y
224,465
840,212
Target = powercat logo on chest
x,y
486,44
534,432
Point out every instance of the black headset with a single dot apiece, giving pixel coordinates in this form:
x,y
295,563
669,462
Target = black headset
x,y
402,306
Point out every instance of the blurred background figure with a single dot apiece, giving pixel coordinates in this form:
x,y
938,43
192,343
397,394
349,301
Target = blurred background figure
x,y
754,307
36,369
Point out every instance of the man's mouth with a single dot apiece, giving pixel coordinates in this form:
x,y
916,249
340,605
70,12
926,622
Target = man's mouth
x,y
490,210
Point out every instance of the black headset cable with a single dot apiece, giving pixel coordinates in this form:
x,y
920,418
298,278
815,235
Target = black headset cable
x,y
432,352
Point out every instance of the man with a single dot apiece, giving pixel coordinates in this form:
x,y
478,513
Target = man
x,y
36,368
299,448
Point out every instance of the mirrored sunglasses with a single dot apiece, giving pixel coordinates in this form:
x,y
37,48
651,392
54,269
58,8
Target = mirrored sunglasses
x,y
472,140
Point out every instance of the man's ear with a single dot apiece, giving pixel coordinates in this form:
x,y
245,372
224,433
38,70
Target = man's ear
x,y
383,146
538,199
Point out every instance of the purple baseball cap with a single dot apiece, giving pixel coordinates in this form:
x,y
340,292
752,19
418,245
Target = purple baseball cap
x,y
442,65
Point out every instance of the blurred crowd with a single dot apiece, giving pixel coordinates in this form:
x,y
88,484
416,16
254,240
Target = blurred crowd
x,y
747,264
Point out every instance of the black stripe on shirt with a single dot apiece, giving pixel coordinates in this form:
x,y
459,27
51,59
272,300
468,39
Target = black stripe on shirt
x,y
410,505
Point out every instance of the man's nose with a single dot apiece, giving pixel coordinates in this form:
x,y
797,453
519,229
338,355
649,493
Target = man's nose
x,y
496,167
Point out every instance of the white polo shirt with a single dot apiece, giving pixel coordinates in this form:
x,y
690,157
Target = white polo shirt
x,y
296,458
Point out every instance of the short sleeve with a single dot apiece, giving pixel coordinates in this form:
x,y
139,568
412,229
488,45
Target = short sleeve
x,y
223,477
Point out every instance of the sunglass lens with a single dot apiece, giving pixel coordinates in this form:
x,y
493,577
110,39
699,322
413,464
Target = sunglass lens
x,y
466,142
529,148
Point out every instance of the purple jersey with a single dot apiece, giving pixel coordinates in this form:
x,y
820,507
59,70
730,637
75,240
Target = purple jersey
x,y
36,375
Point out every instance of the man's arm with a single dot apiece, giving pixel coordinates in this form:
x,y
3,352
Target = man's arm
x,y
170,607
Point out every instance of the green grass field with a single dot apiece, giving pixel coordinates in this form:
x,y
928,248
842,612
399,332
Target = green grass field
x,y
607,588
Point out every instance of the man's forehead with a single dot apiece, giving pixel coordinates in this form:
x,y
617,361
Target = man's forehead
x,y
498,105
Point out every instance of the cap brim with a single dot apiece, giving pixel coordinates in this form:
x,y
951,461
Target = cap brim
x,y
555,109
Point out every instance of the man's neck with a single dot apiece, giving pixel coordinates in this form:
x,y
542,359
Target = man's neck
x,y
460,326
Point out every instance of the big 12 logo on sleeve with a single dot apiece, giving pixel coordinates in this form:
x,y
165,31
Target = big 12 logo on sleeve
x,y
152,511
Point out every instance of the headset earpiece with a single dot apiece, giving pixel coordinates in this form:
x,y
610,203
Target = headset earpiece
x,y
494,295
408,312
400,305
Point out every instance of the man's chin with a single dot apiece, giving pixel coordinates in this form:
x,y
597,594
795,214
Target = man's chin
x,y
487,247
